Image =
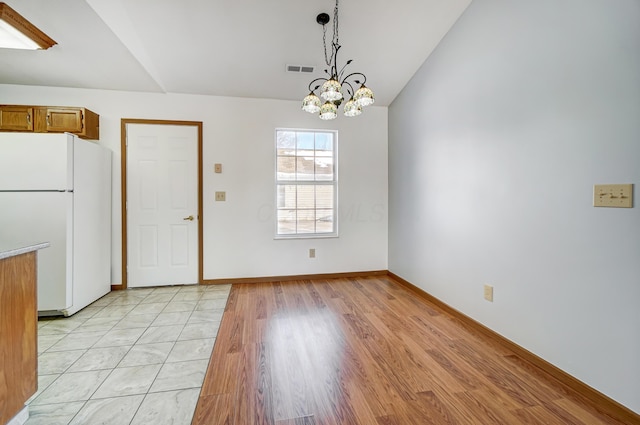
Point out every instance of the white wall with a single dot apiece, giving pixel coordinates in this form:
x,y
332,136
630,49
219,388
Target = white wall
x,y
240,134
494,147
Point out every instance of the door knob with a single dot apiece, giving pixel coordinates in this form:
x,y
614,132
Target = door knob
x,y
190,218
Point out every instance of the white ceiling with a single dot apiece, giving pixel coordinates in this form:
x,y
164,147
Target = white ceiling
x,y
224,47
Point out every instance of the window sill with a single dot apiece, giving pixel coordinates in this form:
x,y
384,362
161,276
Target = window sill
x,y
312,236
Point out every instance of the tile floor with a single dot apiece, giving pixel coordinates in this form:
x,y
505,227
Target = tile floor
x,y
131,358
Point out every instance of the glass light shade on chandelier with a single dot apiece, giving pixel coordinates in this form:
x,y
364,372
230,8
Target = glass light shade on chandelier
x,y
331,90
328,111
351,109
332,86
311,103
364,96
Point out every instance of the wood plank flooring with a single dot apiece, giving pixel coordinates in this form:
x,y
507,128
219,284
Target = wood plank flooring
x,y
368,351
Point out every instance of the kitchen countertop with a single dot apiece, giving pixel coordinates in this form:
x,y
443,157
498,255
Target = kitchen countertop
x,y
7,251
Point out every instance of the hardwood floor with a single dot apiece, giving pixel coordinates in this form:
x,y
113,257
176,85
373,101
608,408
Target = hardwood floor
x,y
368,351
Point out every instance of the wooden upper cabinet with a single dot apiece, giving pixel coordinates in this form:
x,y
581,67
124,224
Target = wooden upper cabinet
x,y
69,120
50,119
16,118
79,121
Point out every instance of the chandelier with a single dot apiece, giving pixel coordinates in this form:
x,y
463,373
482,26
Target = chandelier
x,y
332,87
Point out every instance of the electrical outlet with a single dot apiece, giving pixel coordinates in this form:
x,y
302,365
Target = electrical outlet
x,y
613,195
488,293
221,196
312,253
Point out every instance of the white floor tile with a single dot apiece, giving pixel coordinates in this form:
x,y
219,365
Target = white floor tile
x,y
161,334
212,304
148,308
120,337
127,381
157,298
46,341
199,331
103,302
97,324
59,327
187,296
100,358
147,354
110,411
166,290
43,383
167,408
57,362
76,341
87,312
136,321
179,376
195,349
176,306
115,311
206,316
215,295
76,386
168,319
53,414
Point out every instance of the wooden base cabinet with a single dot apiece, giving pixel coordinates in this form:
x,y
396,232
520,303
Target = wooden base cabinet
x,y
18,333
50,119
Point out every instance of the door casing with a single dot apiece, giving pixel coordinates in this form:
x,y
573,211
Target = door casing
x,y
123,168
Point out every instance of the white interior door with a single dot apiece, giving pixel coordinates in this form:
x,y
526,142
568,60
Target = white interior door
x,y
162,210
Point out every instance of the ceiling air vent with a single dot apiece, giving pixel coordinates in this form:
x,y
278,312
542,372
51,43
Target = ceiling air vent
x,y
300,69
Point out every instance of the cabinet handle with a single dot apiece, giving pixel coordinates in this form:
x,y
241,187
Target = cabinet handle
x,y
48,122
28,118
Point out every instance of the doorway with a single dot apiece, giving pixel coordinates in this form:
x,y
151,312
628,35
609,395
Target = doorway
x,y
161,203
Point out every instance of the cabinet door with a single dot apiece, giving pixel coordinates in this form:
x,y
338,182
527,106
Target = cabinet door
x,y
68,119
16,118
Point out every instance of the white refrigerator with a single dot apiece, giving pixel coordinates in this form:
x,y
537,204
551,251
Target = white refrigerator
x,y
57,188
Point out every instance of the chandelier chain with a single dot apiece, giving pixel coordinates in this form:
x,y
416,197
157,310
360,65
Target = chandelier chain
x,y
324,43
335,40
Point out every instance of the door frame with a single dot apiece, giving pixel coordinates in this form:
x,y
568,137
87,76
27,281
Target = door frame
x,y
123,174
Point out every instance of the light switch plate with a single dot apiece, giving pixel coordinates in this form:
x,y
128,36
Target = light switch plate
x,y
488,293
613,195
217,168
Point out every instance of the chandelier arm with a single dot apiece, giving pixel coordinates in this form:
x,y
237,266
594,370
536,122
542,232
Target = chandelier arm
x,y
355,73
352,91
341,73
334,66
318,86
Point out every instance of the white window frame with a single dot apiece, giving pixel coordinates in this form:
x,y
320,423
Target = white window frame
x,y
333,182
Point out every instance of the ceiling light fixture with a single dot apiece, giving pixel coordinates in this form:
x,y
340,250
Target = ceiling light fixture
x,y
18,33
332,87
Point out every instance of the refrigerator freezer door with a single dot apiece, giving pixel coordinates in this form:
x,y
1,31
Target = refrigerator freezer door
x,y
91,224
32,217
36,162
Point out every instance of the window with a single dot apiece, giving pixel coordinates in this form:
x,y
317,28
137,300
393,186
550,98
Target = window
x,y
306,183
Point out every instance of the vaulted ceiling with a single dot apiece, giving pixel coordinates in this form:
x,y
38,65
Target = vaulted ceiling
x,y
224,47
